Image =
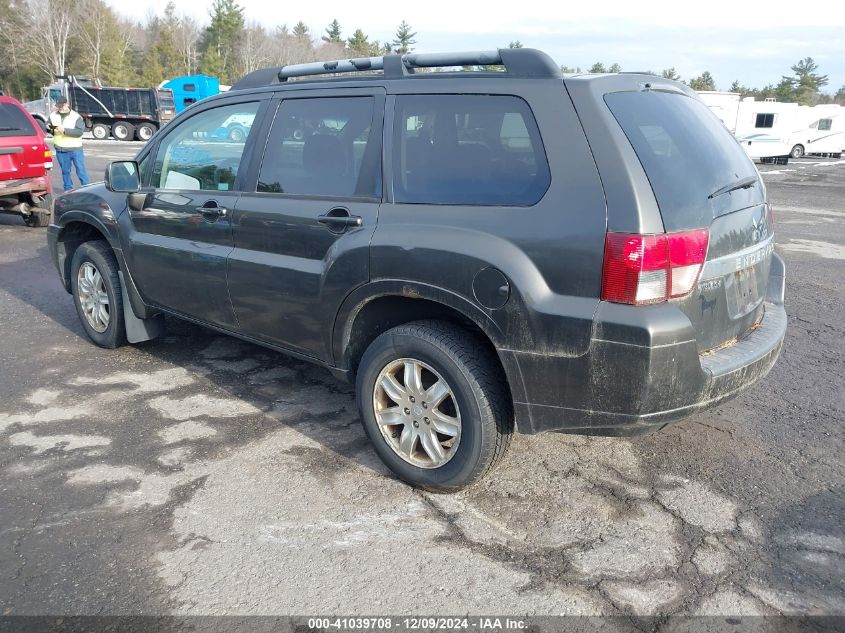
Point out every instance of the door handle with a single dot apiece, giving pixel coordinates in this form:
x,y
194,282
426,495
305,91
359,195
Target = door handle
x,y
211,209
349,220
339,219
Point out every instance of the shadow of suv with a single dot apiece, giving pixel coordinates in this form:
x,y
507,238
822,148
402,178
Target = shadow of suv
x,y
479,251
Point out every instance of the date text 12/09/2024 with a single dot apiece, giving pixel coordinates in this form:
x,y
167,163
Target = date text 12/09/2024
x,y
415,623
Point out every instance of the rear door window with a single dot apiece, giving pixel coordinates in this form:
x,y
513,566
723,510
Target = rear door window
x,y
685,150
467,149
13,122
323,147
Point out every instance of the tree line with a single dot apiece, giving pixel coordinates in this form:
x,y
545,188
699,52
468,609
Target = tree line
x,y
803,86
40,39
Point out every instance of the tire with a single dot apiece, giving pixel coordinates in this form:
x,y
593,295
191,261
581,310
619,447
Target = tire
x,y
145,131
478,399
98,254
36,219
40,214
100,131
236,134
797,151
123,131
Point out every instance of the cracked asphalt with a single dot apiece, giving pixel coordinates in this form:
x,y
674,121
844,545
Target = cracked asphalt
x,y
200,475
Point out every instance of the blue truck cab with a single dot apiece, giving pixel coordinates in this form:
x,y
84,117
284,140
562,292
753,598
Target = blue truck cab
x,y
192,88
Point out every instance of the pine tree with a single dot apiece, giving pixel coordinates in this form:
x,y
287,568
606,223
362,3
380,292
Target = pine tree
x,y
301,30
516,44
704,81
359,44
333,33
404,39
805,84
598,67
615,68
221,39
670,73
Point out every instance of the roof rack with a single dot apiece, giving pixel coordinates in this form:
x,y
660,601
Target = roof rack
x,y
519,62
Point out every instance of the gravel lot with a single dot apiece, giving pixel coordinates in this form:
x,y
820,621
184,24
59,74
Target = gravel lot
x,y
201,475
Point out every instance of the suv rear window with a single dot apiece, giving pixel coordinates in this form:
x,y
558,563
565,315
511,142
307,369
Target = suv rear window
x,y
467,149
13,122
686,151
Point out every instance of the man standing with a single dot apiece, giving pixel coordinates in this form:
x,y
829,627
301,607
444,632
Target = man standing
x,y
67,127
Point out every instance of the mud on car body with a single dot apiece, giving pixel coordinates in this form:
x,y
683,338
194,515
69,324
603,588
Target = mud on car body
x,y
479,252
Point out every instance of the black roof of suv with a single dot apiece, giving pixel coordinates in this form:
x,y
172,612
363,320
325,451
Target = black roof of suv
x,y
479,252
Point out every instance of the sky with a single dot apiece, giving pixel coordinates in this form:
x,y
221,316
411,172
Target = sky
x,y
752,41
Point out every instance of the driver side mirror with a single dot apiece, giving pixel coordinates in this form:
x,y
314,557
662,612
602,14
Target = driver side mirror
x,y
122,176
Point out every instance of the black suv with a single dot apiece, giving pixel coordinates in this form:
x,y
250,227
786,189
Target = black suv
x,y
479,251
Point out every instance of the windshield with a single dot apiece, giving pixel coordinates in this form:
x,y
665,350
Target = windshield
x,y
13,122
687,154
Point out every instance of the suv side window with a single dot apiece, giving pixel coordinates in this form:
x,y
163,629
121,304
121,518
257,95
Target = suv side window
x,y
204,152
467,149
323,147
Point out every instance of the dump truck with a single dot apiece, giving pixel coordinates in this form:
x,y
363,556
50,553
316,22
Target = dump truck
x,y
123,113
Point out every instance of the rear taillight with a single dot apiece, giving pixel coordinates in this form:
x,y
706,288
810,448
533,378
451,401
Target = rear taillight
x,y
48,157
641,269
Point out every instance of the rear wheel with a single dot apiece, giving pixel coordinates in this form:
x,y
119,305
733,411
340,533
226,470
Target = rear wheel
x,y
123,131
797,151
95,284
145,131
434,404
100,131
40,214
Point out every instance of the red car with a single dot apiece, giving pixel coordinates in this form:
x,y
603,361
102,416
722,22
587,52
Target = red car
x,y
25,162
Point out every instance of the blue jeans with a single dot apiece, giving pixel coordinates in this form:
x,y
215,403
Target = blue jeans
x,y
76,158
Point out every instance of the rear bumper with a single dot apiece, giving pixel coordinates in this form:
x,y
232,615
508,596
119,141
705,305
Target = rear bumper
x,y
643,370
38,186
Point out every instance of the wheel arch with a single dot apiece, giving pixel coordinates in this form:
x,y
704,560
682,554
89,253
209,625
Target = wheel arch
x,y
75,232
142,323
380,306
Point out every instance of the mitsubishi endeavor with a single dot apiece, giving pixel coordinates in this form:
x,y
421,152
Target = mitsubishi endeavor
x,y
480,252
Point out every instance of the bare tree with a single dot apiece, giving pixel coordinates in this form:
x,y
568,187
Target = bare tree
x,y
188,35
255,50
97,26
13,32
51,23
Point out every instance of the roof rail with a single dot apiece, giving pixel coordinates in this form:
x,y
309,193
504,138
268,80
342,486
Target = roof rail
x,y
521,62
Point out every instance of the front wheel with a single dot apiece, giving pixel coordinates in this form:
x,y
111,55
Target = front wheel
x,y
434,403
100,131
237,134
95,284
797,151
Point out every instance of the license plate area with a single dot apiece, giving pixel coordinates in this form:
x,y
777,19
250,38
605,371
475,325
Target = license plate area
x,y
742,290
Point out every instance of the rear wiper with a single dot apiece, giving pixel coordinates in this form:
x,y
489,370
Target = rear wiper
x,y
745,183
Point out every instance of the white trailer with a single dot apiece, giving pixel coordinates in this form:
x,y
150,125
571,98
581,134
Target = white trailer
x,y
823,132
763,128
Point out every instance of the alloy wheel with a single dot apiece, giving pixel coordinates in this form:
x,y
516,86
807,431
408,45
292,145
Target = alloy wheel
x,y
417,413
93,296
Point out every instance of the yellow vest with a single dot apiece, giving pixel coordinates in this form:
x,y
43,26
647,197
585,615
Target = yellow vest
x,y
70,121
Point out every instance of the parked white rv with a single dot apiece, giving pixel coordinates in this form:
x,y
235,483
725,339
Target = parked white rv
x,y
823,132
763,128
771,129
